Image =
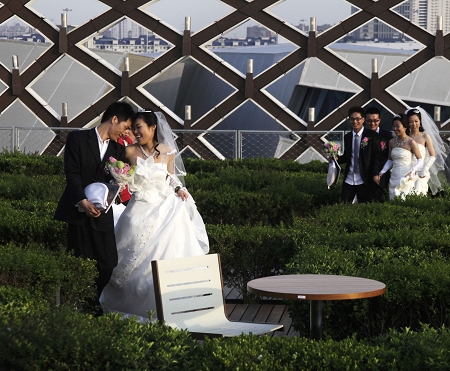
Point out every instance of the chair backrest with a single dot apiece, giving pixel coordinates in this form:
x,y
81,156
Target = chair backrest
x,y
188,289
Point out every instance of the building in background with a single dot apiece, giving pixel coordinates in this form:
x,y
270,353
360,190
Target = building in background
x,y
256,36
11,31
423,13
147,43
320,27
378,31
258,31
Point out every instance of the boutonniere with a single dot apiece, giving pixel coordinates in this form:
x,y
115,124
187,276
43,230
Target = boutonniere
x,y
364,142
383,145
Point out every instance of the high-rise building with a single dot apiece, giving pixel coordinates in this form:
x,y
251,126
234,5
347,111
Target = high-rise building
x,y
426,12
377,30
419,12
423,13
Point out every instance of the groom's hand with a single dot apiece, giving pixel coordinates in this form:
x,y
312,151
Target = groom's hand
x,y
90,209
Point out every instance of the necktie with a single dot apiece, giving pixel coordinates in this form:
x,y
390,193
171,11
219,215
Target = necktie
x,y
355,154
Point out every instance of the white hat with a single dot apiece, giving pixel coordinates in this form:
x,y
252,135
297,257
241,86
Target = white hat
x,y
102,195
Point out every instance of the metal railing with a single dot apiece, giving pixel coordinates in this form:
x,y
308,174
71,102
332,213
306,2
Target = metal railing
x,y
205,144
303,146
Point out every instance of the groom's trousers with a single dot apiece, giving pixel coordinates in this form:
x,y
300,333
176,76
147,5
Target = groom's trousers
x,y
100,246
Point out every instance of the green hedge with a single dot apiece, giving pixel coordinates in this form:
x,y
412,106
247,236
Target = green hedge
x,y
247,252
261,214
421,223
246,208
25,222
16,162
194,166
404,245
243,196
42,272
32,188
418,290
63,339
406,350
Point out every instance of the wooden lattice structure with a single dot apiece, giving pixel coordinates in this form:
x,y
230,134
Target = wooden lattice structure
x,y
249,87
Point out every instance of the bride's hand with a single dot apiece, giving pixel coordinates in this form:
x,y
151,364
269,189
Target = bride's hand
x,y
183,194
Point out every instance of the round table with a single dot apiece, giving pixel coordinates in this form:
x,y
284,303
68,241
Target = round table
x,y
316,288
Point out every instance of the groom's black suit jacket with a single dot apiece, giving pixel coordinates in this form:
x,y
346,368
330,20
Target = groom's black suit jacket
x,y
369,156
82,166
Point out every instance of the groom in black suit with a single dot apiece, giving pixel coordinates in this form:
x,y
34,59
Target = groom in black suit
x,y
362,159
91,232
373,121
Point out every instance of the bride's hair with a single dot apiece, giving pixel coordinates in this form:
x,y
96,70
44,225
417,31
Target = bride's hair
x,y
403,120
150,119
415,111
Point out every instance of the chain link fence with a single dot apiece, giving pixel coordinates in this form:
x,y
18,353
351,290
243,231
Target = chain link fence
x,y
7,141
303,146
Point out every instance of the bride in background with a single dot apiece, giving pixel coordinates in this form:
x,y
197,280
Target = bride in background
x,y
401,146
160,221
432,148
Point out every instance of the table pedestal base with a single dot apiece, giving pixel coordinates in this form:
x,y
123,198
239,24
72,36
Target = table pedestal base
x,y
315,317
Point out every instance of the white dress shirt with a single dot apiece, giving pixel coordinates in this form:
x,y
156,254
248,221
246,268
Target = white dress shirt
x,y
354,178
102,145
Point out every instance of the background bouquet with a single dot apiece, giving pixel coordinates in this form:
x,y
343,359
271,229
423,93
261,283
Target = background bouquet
x,y
331,149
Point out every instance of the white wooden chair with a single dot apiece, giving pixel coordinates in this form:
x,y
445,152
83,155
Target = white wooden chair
x,y
189,295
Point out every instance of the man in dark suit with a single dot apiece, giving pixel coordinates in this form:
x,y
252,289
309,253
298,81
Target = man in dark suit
x,y
373,120
91,233
362,159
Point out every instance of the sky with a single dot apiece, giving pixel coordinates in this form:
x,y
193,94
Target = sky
x,y
202,12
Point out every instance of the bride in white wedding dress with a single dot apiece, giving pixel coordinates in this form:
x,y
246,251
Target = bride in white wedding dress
x,y
401,148
432,148
161,220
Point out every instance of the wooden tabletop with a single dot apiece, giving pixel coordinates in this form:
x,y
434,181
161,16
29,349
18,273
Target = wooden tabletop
x,y
316,287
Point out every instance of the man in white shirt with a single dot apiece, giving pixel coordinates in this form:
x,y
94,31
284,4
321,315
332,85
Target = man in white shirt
x,y
91,233
362,159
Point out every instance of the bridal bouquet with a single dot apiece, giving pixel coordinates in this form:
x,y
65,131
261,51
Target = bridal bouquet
x,y
331,149
121,171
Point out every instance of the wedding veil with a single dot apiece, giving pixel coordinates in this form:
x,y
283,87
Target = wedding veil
x,y
441,149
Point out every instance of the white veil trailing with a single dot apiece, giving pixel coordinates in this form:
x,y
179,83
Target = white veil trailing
x,y
441,149
165,135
